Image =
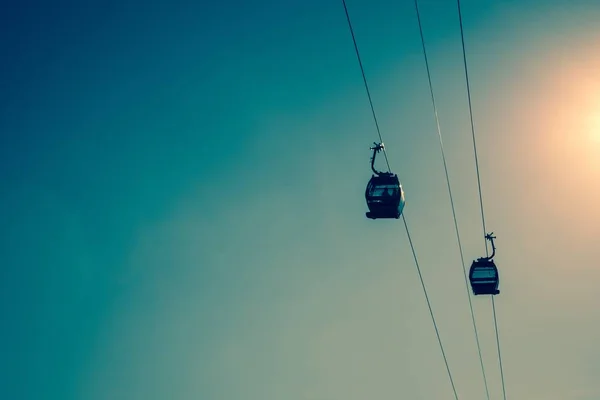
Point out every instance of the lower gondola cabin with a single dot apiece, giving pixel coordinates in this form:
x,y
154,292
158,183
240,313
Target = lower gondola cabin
x,y
484,277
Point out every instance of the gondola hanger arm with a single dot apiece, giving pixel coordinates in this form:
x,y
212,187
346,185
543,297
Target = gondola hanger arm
x,y
376,149
490,237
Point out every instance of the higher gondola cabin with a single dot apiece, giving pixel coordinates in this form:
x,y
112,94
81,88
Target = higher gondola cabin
x,y
484,277
384,194
385,197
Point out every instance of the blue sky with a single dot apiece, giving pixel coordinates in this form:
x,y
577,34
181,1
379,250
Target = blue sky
x,y
182,204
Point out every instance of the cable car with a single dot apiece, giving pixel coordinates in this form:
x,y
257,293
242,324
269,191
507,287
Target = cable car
x,y
484,273
384,194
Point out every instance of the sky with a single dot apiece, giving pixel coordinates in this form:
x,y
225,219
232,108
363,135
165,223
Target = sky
x,y
182,200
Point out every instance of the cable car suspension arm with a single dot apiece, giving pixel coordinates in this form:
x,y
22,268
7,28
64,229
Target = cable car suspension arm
x,y
490,237
376,149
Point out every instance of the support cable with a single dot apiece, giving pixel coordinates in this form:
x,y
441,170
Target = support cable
x,y
362,70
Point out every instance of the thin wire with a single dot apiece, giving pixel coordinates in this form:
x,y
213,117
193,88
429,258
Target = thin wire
x,y
429,305
479,186
362,70
472,124
498,344
462,258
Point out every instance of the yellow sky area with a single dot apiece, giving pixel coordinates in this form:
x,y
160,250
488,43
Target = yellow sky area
x,y
557,115
594,124
572,106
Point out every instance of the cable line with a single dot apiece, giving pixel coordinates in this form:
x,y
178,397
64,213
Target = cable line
x,y
437,332
479,185
437,121
498,344
362,70
462,37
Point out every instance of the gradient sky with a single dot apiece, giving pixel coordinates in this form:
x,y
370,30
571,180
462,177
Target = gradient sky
x,y
182,200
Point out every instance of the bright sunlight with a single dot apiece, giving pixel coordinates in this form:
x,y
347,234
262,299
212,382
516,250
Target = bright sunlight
x,y
594,127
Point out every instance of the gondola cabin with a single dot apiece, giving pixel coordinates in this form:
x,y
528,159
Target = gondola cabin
x,y
385,197
484,277
384,194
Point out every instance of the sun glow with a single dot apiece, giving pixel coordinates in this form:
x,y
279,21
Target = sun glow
x,y
594,127
564,117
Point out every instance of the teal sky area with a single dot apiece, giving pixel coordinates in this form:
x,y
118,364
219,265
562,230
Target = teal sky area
x,y
182,200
